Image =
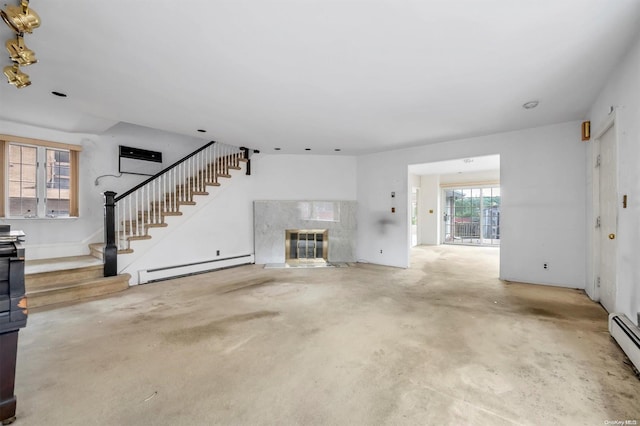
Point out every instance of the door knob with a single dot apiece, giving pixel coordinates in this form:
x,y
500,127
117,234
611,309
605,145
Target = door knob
x,y
612,236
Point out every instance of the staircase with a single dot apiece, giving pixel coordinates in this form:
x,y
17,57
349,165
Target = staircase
x,y
69,279
147,205
129,218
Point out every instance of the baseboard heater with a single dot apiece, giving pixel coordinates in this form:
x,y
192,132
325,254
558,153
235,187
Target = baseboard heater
x,y
627,334
157,274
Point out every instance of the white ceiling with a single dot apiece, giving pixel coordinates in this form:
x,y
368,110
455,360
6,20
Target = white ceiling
x,y
363,76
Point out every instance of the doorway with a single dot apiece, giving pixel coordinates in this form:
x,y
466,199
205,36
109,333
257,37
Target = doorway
x,y
605,195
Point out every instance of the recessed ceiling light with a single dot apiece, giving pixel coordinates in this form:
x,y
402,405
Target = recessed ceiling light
x,y
202,131
62,95
468,160
277,149
337,149
530,105
307,149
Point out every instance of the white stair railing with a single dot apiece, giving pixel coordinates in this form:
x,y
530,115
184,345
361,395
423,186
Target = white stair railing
x,y
147,204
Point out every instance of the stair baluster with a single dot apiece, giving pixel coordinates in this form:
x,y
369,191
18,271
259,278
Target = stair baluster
x,y
128,216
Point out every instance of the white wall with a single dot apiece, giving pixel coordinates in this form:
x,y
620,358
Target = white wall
x,y
623,93
46,237
543,200
304,177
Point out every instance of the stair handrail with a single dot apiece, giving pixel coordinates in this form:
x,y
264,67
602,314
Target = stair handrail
x,y
111,201
163,171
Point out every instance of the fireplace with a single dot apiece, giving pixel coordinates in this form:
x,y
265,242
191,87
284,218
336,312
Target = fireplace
x,y
275,220
306,244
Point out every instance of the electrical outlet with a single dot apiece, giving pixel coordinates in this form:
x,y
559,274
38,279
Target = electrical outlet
x,y
380,251
545,265
217,252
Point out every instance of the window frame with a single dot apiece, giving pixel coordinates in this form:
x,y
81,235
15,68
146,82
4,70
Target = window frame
x,y
74,171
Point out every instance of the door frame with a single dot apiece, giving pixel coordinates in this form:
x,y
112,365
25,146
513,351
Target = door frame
x,y
595,196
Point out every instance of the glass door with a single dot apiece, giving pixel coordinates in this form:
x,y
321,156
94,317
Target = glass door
x,y
472,215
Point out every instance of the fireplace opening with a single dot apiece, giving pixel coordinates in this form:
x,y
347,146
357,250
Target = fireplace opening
x,y
306,245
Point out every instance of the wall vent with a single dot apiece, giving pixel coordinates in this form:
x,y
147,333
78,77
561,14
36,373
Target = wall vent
x,y
139,161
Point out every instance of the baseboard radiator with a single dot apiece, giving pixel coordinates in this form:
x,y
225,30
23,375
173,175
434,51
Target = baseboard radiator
x,y
627,334
167,272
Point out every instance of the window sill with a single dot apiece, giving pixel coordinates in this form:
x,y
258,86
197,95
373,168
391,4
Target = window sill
x,y
40,218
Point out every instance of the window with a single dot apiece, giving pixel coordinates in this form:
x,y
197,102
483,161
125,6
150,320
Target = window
x,y
40,178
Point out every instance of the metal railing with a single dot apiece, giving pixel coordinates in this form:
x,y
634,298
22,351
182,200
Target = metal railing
x,y
129,216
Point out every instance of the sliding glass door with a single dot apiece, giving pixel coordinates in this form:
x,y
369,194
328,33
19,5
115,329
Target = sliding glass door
x,y
472,215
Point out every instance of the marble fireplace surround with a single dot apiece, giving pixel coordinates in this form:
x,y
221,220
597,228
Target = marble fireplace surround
x,y
273,218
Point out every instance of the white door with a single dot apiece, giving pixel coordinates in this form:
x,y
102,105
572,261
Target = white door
x,y
608,209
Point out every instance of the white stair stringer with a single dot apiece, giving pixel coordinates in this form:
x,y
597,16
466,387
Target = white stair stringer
x,y
191,242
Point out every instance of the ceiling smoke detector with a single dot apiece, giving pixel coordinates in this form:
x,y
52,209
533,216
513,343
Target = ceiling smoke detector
x,y
530,105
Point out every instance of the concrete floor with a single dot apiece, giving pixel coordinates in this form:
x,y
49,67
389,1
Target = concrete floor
x,y
444,342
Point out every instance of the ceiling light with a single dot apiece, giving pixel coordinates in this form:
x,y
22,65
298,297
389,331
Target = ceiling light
x,y
277,149
21,19
62,95
19,53
202,131
530,105
16,77
468,160
307,149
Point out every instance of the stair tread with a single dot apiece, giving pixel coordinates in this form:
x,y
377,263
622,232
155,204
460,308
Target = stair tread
x,y
38,266
76,285
138,237
78,292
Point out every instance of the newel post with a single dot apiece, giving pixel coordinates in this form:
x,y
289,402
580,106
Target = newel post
x,y
245,155
110,249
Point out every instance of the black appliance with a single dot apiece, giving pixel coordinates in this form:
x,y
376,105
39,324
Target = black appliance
x,y
13,315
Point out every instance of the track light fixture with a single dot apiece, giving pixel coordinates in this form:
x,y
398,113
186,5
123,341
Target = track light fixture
x,y
16,77
19,53
21,19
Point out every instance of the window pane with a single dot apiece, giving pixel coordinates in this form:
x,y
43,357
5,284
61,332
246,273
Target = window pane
x,y
57,172
22,180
